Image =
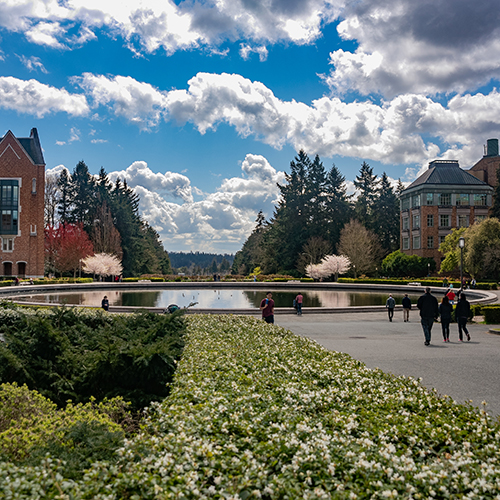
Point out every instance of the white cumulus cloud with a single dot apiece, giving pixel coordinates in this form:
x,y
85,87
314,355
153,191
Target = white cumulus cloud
x,y
423,47
33,97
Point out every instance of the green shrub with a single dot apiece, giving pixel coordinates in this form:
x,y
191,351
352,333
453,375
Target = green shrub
x,y
477,309
31,426
6,283
491,315
257,412
66,353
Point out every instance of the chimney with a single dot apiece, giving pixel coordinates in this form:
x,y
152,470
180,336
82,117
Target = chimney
x,y
492,147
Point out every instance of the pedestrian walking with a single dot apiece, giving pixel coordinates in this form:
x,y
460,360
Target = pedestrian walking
x,y
105,303
298,303
406,303
428,307
267,308
462,311
445,310
451,295
390,305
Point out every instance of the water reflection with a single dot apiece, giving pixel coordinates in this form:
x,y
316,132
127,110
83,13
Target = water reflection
x,y
217,299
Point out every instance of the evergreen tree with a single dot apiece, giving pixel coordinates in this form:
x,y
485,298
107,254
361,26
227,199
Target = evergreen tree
x,y
289,230
84,197
338,206
367,184
251,254
315,198
386,215
66,190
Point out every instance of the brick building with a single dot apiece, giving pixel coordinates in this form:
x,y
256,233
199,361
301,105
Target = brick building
x,y
486,168
22,187
442,198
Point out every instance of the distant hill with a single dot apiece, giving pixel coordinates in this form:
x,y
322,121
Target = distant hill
x,y
200,260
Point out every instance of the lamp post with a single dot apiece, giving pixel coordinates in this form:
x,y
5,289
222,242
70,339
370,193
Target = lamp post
x,y
428,269
461,244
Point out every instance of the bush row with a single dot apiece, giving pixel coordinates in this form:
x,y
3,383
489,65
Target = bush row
x,y
422,281
68,353
256,412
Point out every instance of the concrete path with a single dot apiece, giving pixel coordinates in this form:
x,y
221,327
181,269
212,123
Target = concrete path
x,y
466,371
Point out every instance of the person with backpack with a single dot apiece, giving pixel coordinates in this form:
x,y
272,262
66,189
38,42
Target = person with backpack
x,y
445,310
429,311
462,311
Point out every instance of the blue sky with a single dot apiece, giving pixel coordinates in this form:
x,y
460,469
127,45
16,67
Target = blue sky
x,y
201,105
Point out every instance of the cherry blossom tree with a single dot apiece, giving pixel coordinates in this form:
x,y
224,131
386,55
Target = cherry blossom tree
x,y
102,264
335,264
314,271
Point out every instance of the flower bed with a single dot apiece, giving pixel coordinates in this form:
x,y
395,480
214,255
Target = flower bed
x,y
257,412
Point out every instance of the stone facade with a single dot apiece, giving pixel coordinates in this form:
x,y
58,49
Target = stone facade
x,y
443,198
22,188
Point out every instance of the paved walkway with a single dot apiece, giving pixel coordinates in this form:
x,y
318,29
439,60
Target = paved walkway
x,y
466,371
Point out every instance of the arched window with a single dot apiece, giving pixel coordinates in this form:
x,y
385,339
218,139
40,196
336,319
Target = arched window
x,y
33,186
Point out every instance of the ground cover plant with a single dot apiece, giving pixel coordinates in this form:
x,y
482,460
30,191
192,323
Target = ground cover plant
x,y
257,412
77,354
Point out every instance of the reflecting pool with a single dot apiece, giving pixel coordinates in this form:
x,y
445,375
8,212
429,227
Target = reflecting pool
x,y
218,298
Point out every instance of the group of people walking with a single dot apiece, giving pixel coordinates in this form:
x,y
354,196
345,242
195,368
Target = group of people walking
x,y
431,310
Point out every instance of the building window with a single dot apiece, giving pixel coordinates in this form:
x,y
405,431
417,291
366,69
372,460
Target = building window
x,y
441,239
416,242
445,199
32,229
479,218
430,198
430,220
416,222
406,243
7,244
430,241
462,199
406,225
463,221
405,203
415,201
444,221
33,186
480,200
9,201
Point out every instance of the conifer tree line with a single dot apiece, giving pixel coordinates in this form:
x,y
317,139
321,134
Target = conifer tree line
x,y
316,217
109,214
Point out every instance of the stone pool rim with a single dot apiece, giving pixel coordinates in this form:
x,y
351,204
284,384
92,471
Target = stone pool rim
x,y
12,292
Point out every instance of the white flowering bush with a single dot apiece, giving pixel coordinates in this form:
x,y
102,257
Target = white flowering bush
x,y
257,412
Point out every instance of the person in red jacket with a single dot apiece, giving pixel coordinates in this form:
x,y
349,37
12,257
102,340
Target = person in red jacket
x,y
267,308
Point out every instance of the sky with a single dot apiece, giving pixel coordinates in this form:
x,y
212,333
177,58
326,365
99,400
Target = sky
x,y
201,105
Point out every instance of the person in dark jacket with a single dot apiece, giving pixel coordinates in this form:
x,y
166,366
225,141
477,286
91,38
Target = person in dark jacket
x,y
462,311
429,311
105,303
406,303
445,310
390,305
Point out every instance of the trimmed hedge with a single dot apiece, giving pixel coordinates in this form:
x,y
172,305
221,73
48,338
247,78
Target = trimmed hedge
x,y
491,314
257,412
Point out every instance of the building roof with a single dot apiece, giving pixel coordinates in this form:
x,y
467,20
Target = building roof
x,y
446,172
32,146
